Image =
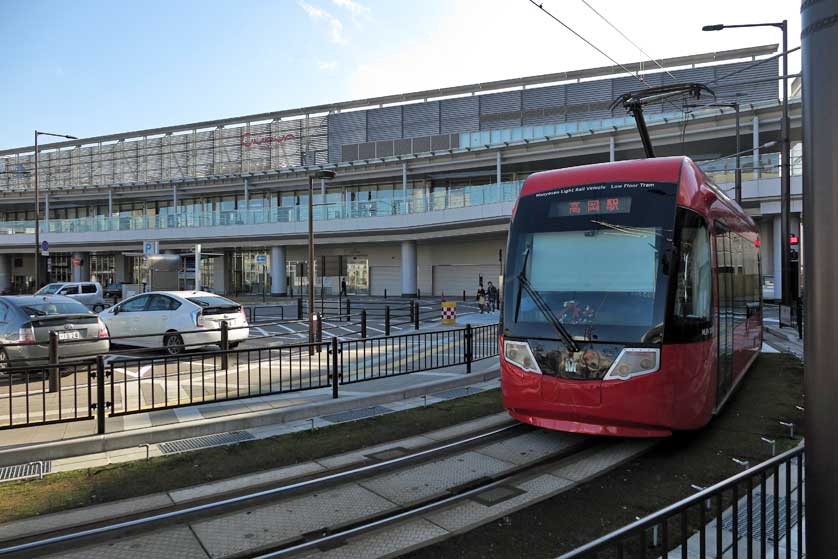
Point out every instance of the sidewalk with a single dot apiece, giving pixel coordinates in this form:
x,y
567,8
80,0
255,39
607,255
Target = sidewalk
x,y
266,414
784,339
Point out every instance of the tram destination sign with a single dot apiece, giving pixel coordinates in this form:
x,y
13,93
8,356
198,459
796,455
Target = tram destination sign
x,y
591,206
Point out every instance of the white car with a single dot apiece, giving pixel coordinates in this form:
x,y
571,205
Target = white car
x,y
178,318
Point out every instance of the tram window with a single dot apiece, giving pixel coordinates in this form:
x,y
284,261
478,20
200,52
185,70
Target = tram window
x,y
692,304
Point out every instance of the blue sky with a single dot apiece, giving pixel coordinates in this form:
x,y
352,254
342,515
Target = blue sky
x,y
94,67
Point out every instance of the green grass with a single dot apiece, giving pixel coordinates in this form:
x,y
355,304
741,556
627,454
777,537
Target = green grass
x,y
69,490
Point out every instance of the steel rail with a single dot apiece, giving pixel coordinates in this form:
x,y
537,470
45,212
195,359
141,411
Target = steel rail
x,y
91,532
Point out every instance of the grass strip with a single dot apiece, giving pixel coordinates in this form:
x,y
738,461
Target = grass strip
x,y
67,490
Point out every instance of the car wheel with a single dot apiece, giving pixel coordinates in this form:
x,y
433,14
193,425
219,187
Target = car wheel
x,y
98,308
173,343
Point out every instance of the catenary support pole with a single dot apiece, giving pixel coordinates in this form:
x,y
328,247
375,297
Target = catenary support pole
x,y
819,39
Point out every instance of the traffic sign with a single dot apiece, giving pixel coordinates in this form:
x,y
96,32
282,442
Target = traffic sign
x,y
76,261
261,259
44,246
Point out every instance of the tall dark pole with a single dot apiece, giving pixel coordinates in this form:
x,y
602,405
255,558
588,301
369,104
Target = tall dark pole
x,y
310,265
819,42
37,221
785,178
738,175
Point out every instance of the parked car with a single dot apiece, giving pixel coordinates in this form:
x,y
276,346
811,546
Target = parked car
x,y
113,290
175,316
27,320
88,293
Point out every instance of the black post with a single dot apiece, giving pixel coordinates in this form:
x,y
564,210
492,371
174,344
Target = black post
x,y
54,376
387,320
340,306
319,337
385,292
335,349
225,345
299,308
348,311
418,293
416,314
101,405
468,343
411,311
363,323
464,295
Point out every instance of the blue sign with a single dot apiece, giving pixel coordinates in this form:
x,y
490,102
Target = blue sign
x,y
44,246
261,259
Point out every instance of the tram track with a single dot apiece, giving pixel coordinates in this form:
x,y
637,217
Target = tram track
x,y
201,508
306,516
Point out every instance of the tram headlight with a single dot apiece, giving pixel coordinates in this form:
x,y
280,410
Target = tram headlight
x,y
633,362
520,355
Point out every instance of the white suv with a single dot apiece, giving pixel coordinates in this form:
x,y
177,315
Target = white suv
x,y
178,317
88,293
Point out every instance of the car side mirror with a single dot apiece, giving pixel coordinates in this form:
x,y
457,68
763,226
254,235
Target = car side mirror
x,y
115,310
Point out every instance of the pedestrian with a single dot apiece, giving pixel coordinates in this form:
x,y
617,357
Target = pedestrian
x,y
492,292
481,300
343,287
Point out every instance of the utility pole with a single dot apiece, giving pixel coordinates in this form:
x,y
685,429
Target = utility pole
x,y
312,316
819,40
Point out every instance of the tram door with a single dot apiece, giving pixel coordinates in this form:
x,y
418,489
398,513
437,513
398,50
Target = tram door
x,y
724,288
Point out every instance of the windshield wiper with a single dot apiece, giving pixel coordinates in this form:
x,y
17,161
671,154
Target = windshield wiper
x,y
545,309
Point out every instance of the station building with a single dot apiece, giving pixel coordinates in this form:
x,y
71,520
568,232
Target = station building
x,y
424,188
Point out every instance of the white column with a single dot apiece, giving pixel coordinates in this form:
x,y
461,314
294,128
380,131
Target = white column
x,y
777,247
46,210
279,287
197,267
404,189
755,155
81,266
5,272
408,268
174,197
497,168
246,195
110,203
611,149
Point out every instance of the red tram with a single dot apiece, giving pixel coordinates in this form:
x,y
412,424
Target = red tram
x,y
632,301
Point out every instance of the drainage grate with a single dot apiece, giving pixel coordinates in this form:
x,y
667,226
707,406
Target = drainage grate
x,y
496,495
454,393
25,471
352,415
206,441
742,524
389,454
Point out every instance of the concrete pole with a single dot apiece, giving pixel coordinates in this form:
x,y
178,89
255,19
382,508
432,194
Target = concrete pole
x,y
174,197
819,40
776,250
404,188
279,287
5,272
785,175
497,169
81,271
46,210
197,266
611,149
408,268
110,203
246,195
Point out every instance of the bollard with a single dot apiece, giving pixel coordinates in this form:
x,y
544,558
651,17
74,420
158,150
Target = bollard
x,y
468,341
348,311
416,315
387,320
101,405
363,323
319,331
411,311
385,293
225,344
418,293
464,295
299,308
335,350
54,374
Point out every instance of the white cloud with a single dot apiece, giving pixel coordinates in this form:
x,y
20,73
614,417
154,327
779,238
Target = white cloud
x,y
334,25
327,65
354,8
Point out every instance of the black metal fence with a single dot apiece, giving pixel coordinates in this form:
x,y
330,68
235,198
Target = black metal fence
x,y
756,513
127,385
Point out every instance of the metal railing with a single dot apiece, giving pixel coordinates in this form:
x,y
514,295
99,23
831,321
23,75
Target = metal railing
x,y
55,392
747,515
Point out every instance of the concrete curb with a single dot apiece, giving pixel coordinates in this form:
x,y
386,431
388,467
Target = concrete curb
x,y
93,444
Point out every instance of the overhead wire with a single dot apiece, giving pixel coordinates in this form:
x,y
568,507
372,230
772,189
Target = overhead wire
x,y
624,36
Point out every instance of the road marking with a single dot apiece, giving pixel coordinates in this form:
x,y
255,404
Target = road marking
x,y
143,370
375,329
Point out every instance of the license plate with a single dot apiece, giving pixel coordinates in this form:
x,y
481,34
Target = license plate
x,y
69,335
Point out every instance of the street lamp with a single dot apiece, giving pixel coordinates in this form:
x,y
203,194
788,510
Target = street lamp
x,y
38,207
322,175
785,179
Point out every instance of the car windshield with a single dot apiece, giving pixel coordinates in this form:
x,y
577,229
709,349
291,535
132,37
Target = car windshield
x,y
49,289
596,255
49,308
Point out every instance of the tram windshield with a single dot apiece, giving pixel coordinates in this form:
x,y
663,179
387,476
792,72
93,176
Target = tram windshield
x,y
598,255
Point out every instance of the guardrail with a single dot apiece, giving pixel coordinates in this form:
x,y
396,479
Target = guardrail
x,y
743,516
57,392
